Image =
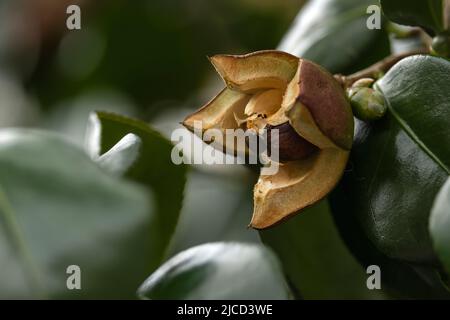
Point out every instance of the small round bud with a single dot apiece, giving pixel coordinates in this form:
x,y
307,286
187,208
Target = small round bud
x,y
361,83
367,104
441,44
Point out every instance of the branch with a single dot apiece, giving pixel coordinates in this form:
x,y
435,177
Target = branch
x,y
376,69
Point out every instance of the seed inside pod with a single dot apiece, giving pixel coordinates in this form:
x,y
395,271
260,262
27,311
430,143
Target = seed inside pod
x,y
291,145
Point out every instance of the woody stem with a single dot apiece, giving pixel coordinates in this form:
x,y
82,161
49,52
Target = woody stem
x,y
377,69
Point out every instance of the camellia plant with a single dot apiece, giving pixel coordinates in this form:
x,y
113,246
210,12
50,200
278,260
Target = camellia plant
x,y
359,208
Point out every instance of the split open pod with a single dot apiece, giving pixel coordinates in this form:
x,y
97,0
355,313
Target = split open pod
x,y
269,90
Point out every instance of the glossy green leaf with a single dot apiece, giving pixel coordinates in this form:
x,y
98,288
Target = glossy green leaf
x,y
316,262
427,14
399,163
418,93
398,279
218,271
388,189
440,225
152,167
57,209
333,33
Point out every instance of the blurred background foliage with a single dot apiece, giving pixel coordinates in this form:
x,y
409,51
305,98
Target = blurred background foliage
x,y
146,59
138,59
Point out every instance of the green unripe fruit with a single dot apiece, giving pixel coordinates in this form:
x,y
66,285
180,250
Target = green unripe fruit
x,y
441,44
367,104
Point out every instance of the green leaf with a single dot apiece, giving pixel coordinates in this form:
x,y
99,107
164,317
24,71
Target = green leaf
x,y
440,225
218,271
119,159
333,33
399,163
418,93
58,208
388,190
152,167
315,259
427,14
399,279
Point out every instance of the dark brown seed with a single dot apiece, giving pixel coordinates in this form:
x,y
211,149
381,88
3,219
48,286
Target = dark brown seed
x,y
291,145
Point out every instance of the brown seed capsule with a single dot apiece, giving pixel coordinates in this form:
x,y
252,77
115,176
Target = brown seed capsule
x,y
275,90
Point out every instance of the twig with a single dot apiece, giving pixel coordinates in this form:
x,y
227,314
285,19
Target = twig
x,y
376,69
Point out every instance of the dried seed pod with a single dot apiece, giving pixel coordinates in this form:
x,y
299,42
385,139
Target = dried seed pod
x,y
275,90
